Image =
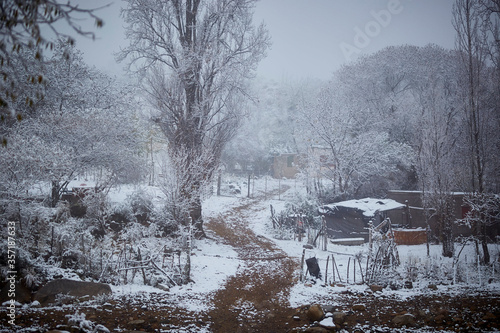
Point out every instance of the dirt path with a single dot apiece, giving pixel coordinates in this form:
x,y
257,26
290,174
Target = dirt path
x,y
256,298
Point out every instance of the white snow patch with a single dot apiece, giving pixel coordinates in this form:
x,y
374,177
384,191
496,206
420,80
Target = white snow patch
x,y
368,206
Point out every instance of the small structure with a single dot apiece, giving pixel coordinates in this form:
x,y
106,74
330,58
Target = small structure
x,y
415,217
410,236
350,219
285,166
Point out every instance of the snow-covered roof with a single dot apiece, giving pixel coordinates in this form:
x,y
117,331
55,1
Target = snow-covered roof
x,y
369,206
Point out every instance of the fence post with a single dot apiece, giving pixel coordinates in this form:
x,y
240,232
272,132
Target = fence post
x,y
348,264
302,266
335,264
354,265
248,195
325,234
326,270
361,270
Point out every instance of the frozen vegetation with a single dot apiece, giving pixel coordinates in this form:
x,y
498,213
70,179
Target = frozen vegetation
x,y
194,196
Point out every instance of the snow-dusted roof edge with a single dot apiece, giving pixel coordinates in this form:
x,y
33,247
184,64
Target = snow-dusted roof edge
x,y
369,206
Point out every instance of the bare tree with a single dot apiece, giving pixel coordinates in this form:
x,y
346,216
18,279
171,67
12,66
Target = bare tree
x,y
196,56
353,149
474,44
437,158
83,123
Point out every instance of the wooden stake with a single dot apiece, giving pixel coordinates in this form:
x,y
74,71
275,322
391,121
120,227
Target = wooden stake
x,y
335,264
354,264
348,264
302,266
326,270
361,270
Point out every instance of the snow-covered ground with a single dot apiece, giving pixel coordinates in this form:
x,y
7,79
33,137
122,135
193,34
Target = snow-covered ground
x,y
212,262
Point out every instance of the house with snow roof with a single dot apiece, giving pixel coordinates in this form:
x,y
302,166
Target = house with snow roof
x,y
350,219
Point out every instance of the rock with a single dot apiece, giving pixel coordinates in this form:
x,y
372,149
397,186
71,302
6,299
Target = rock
x,y
108,306
406,319
315,313
47,294
489,317
408,285
136,322
316,330
432,286
440,319
339,317
101,328
376,288
327,323
328,308
359,307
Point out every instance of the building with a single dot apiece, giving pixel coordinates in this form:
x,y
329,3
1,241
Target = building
x,y
285,166
351,218
417,217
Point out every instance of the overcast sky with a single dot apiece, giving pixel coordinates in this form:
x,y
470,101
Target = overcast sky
x,y
311,38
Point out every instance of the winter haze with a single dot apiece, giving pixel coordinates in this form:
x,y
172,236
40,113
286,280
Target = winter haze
x,y
249,166
307,35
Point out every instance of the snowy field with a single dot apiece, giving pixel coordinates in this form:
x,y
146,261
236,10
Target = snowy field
x,y
213,262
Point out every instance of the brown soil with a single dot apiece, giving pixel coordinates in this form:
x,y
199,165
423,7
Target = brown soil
x,y
255,299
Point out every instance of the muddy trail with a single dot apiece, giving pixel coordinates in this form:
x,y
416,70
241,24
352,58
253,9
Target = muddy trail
x,y
256,298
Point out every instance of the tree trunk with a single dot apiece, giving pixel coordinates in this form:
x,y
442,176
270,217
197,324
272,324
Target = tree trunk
x,y
447,238
55,193
484,244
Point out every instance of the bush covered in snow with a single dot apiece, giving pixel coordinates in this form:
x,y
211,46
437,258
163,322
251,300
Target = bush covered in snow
x,y
129,241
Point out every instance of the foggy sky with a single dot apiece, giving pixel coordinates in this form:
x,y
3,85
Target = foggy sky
x,y
311,38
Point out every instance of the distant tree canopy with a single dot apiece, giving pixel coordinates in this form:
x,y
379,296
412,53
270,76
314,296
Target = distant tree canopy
x,y
83,123
33,25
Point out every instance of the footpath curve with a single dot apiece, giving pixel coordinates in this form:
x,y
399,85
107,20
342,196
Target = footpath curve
x,y
256,298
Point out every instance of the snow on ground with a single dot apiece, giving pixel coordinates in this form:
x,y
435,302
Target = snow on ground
x,y
211,265
411,257
212,262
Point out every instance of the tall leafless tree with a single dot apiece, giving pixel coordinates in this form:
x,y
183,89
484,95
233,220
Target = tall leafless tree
x,y
195,56
476,24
